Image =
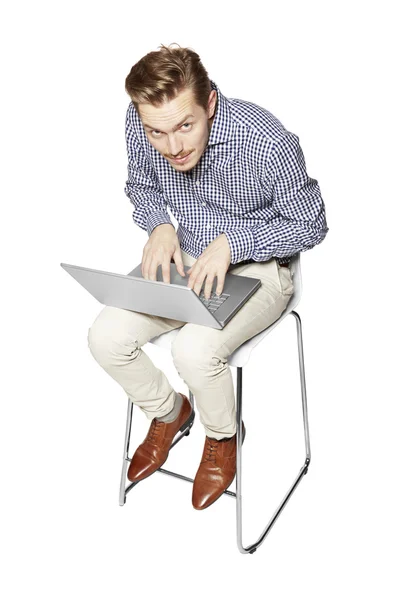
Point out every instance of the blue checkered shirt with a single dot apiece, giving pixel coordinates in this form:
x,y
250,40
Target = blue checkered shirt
x,y
250,184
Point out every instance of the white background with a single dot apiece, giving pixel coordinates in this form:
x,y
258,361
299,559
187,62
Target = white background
x,y
328,71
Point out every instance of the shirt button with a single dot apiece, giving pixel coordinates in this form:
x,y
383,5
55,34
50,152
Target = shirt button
x,y
198,182
203,204
208,226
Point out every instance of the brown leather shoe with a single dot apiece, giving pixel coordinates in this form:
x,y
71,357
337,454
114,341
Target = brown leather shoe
x,y
216,471
154,450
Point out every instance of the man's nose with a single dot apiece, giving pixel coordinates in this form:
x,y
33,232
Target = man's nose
x,y
175,146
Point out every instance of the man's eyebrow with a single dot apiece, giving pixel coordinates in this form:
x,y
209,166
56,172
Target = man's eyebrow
x,y
176,126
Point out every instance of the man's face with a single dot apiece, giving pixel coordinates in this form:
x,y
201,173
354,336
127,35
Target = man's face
x,y
179,128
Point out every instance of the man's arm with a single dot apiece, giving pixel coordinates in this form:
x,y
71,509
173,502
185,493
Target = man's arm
x,y
142,187
300,221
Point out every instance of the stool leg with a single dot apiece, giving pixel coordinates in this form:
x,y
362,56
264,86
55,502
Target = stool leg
x,y
253,547
125,463
303,384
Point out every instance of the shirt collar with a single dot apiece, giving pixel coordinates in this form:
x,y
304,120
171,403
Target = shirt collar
x,y
222,128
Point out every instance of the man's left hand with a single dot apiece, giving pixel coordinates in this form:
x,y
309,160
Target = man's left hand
x,y
213,262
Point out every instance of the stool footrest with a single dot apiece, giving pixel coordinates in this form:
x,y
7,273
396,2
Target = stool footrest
x,y
166,472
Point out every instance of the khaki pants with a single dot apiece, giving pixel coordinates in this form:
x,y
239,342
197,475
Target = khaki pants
x,y
200,353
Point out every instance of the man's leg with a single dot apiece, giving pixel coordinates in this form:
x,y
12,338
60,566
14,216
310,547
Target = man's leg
x,y
201,357
115,341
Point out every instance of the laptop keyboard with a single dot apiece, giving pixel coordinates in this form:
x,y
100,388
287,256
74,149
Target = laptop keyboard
x,y
214,301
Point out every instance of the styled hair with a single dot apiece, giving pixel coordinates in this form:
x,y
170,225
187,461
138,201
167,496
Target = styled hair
x,y
161,75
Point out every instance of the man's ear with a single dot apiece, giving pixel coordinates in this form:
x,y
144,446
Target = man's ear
x,y
212,103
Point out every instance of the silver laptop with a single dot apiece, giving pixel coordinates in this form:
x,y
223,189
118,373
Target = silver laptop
x,y
173,300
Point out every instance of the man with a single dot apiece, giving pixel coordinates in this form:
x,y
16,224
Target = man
x,y
236,182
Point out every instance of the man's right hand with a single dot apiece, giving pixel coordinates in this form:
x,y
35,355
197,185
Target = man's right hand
x,y
162,244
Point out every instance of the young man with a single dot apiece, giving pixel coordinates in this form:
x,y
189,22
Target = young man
x,y
235,180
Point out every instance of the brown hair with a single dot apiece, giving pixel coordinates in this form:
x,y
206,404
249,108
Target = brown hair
x,y
161,75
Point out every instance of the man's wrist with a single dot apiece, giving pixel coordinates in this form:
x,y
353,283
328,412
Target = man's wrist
x,y
157,218
164,226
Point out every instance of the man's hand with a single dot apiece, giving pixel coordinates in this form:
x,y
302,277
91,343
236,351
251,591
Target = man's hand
x,y
161,245
213,262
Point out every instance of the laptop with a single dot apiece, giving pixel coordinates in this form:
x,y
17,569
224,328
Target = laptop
x,y
173,300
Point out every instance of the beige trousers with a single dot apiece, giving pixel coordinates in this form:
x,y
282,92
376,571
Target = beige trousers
x,y
200,354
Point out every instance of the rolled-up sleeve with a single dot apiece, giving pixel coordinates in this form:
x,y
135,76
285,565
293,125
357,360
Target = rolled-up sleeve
x,y
142,186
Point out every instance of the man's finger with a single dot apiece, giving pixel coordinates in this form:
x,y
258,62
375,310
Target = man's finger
x,y
166,271
220,284
194,265
192,277
208,286
143,263
145,269
198,284
179,263
153,270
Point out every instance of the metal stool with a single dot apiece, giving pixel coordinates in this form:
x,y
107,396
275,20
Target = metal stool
x,y
238,359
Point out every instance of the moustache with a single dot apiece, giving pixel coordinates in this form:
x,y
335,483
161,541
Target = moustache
x,y
180,156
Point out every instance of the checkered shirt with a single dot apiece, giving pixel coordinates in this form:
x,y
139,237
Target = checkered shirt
x,y
250,184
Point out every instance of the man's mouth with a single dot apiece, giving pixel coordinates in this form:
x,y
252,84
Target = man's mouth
x,y
182,159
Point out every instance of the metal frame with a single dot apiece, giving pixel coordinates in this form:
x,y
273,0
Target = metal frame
x,y
238,495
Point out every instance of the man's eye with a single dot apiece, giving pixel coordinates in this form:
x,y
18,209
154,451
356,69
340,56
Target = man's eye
x,y
155,132
186,125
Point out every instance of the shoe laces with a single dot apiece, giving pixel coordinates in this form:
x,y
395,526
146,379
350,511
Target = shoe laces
x,y
211,449
154,430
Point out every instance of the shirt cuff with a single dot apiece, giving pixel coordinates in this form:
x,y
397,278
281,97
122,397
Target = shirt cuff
x,y
241,244
158,217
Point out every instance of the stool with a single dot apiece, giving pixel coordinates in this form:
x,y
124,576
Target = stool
x,y
238,359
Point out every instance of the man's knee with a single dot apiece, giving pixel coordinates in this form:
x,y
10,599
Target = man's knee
x,y
190,350
99,343
107,338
